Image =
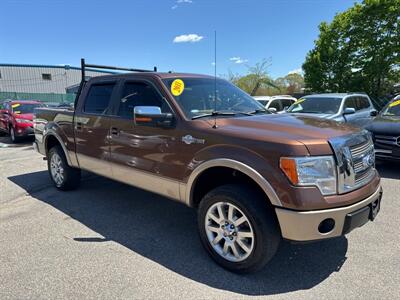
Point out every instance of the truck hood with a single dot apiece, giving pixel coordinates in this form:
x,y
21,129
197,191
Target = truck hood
x,y
322,116
24,116
385,125
313,132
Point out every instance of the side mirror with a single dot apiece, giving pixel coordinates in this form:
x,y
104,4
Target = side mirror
x,y
373,113
349,111
272,110
152,116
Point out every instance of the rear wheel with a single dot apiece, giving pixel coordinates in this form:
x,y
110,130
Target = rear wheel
x,y
237,228
63,176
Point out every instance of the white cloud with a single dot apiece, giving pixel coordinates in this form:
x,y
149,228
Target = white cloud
x,y
238,60
296,71
178,2
188,38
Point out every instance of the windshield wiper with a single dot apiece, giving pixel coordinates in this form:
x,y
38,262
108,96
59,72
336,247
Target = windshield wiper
x,y
214,113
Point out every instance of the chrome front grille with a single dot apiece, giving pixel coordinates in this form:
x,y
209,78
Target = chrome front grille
x,y
363,157
387,140
355,159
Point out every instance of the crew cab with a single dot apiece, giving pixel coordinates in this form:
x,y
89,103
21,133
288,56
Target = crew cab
x,y
16,118
254,177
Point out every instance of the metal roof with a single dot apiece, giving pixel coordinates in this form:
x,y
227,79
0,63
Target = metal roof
x,y
66,67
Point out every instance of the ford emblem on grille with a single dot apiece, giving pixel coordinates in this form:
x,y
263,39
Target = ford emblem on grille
x,y
368,161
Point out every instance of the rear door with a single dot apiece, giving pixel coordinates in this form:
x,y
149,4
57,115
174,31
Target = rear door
x,y
144,156
92,124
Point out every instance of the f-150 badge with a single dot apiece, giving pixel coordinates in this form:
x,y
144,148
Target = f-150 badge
x,y
188,139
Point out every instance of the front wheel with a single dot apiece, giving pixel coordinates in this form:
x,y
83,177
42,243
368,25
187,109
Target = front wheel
x,y
238,228
63,176
13,137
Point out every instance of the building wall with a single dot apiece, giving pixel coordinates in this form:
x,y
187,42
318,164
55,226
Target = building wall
x,y
29,78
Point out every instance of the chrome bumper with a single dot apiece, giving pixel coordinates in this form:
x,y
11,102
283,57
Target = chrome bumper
x,y
303,225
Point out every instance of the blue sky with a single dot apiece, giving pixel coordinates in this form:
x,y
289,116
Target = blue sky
x,y
141,33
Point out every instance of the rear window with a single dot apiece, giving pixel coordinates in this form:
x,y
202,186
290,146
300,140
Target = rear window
x,y
98,98
24,108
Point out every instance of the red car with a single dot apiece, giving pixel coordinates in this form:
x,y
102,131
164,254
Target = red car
x,y
16,118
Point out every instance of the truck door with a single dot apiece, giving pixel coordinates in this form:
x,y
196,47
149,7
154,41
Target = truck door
x,y
144,156
92,123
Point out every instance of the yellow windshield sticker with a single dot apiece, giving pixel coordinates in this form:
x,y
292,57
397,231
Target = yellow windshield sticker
x,y
177,87
299,101
17,112
395,103
15,105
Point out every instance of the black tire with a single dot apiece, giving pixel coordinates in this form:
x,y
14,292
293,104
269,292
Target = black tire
x,y
71,176
261,216
13,137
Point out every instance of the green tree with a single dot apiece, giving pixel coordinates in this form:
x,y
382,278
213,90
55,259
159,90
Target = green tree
x,y
256,79
358,51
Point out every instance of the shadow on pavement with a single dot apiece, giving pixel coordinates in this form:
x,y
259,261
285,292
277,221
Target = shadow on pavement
x,y
166,232
388,169
5,142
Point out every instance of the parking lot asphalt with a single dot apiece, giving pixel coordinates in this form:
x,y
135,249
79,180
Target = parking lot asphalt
x,y
111,241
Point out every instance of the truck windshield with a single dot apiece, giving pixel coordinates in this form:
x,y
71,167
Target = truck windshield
x,y
24,108
316,105
393,109
196,97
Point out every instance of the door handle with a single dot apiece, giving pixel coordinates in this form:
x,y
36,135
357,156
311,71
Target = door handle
x,y
114,131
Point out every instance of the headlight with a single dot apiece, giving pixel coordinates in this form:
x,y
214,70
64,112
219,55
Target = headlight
x,y
319,171
23,121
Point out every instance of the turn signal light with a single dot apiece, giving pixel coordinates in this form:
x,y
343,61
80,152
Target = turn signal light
x,y
288,166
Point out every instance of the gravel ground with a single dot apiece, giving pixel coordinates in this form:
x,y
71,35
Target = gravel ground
x,y
108,241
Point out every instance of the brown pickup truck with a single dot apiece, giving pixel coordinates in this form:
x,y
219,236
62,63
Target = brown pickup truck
x,y
254,177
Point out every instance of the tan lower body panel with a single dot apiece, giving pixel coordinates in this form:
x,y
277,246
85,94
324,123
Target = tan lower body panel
x,y
303,225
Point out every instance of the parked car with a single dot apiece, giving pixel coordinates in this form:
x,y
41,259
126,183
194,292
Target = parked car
x,y
385,129
254,177
276,103
16,118
351,108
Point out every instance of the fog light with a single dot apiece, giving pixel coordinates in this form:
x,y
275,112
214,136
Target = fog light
x,y
19,130
326,225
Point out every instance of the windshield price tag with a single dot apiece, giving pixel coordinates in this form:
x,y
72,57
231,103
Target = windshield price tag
x,y
177,87
299,101
15,105
395,103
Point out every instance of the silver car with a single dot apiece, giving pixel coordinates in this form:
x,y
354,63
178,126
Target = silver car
x,y
351,108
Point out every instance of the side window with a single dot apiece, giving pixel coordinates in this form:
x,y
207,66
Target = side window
x,y
98,98
286,103
350,103
275,104
363,103
139,94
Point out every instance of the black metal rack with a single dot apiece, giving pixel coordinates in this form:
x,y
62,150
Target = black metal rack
x,y
84,65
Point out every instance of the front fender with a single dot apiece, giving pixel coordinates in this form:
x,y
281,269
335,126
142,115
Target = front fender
x,y
237,158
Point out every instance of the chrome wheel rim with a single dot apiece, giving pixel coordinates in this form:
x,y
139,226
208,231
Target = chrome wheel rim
x,y
56,168
229,231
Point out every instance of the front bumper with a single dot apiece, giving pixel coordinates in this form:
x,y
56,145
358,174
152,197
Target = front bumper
x,y
24,131
306,225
